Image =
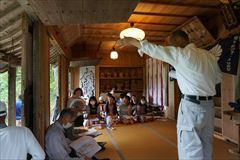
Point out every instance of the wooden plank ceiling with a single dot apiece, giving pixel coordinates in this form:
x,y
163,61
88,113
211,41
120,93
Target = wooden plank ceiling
x,y
157,18
93,26
10,30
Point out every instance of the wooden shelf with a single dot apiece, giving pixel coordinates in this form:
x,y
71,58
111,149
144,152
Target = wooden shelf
x,y
121,77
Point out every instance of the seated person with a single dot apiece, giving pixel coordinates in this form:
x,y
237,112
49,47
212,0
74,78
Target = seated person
x,y
57,146
141,110
17,142
101,104
77,94
143,105
125,111
134,104
92,112
144,111
120,100
78,107
110,110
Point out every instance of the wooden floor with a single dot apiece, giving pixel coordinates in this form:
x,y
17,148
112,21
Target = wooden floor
x,y
151,141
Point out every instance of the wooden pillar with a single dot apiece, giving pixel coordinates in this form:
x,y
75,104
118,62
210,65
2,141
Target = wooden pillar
x,y
27,73
63,65
41,105
35,77
11,96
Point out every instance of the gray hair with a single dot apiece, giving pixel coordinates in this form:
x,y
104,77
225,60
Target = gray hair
x,y
78,103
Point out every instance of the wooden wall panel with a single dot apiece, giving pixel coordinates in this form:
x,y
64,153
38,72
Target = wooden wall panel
x,y
75,73
124,59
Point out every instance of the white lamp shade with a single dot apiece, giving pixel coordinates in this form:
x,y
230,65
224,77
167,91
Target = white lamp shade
x,y
133,32
114,55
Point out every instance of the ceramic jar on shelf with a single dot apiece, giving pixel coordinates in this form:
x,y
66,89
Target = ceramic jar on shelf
x,y
121,75
109,75
114,74
102,75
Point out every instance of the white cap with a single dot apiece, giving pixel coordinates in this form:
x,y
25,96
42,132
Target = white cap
x,y
3,109
129,94
101,98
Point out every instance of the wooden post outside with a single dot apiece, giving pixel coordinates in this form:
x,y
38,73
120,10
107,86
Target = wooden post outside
x,y
11,96
41,104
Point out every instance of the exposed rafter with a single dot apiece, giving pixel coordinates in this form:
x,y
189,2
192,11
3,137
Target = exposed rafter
x,y
57,41
157,23
115,37
11,34
17,50
10,23
162,14
180,4
119,30
13,48
11,8
10,59
8,44
25,4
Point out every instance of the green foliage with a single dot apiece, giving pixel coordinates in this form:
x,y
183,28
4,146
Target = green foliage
x,y
4,86
52,90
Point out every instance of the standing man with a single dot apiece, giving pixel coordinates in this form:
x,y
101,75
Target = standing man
x,y
17,142
197,74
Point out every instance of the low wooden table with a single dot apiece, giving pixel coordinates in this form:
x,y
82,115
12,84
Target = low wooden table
x,y
235,151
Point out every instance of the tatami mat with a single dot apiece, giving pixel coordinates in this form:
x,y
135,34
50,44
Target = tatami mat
x,y
151,141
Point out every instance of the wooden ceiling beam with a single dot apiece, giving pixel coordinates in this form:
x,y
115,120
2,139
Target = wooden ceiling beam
x,y
10,59
99,45
8,44
10,23
116,29
15,51
156,23
25,4
7,11
115,37
161,14
180,4
57,41
14,48
11,34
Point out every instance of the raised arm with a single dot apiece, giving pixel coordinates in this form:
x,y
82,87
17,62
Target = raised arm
x,y
168,54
